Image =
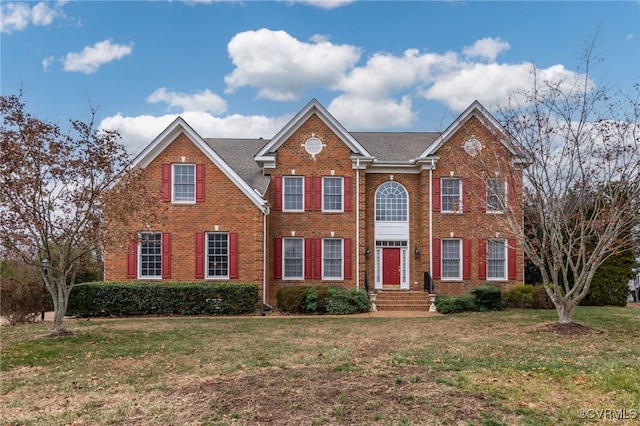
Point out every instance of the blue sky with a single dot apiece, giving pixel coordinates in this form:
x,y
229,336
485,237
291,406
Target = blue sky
x,y
244,68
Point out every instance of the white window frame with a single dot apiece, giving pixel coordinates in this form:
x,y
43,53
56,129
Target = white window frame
x,y
324,275
391,211
459,259
140,254
284,259
174,183
207,255
324,193
492,194
443,195
284,193
504,259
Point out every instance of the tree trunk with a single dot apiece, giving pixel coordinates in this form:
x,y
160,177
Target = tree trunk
x,y
60,300
565,310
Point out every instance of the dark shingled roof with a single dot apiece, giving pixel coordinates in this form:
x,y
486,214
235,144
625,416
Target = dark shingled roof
x,y
238,154
384,146
395,146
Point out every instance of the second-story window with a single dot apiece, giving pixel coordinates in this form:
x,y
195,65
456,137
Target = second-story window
x,y
332,194
184,183
293,193
495,195
451,195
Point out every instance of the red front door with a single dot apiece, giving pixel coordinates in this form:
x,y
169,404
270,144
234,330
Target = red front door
x,y
390,266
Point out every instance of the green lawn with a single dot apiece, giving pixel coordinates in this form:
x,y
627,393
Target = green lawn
x,y
476,368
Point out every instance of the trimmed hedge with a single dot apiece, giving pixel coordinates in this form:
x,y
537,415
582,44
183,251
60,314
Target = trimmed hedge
x,y
321,299
454,304
162,298
488,297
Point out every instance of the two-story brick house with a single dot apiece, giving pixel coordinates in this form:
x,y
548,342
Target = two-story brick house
x,y
317,204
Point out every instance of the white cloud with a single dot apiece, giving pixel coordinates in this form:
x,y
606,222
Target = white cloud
x,y
17,16
138,132
356,113
200,101
46,62
93,57
282,67
323,4
487,48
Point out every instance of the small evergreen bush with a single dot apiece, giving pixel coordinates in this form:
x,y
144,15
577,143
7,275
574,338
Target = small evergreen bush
x,y
321,299
342,301
519,297
454,304
488,297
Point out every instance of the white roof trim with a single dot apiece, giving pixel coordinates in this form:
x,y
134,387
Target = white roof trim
x,y
313,107
178,126
477,110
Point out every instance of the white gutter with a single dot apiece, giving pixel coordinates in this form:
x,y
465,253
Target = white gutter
x,y
357,224
431,221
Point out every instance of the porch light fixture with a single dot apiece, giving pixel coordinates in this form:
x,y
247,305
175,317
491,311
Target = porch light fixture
x,y
367,253
416,253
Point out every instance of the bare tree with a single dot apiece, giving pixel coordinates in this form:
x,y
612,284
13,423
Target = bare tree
x,y
582,186
55,189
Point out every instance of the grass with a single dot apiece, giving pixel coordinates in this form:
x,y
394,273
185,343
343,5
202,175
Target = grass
x,y
492,368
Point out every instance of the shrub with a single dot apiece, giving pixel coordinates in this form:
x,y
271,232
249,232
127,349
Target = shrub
x,y
454,304
162,298
303,299
488,297
23,302
342,301
519,296
540,298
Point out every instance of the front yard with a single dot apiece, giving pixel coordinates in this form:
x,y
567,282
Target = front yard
x,y
476,368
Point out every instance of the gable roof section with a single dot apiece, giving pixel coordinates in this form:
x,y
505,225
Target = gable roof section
x,y
267,153
485,117
178,126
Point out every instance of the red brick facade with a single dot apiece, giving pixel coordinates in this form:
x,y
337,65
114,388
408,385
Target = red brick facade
x,y
368,245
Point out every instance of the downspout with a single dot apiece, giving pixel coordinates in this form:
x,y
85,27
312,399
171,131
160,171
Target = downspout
x,y
431,219
265,212
357,224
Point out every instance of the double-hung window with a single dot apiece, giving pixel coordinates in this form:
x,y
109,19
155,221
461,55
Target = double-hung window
x,y
497,259
332,194
150,255
293,193
293,253
451,195
184,183
332,259
217,255
496,199
451,259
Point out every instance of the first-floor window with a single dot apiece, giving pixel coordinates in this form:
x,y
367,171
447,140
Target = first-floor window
x,y
332,259
150,255
497,259
217,255
451,259
293,258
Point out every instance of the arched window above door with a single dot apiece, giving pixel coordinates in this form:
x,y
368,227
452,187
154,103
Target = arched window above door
x,y
392,202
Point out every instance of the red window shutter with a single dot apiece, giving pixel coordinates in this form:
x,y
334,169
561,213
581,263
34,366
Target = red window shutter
x,y
436,194
437,266
317,258
511,259
132,257
233,255
308,193
466,259
199,183
347,275
483,195
166,182
347,193
317,196
199,254
466,194
482,259
308,258
166,255
277,258
278,193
